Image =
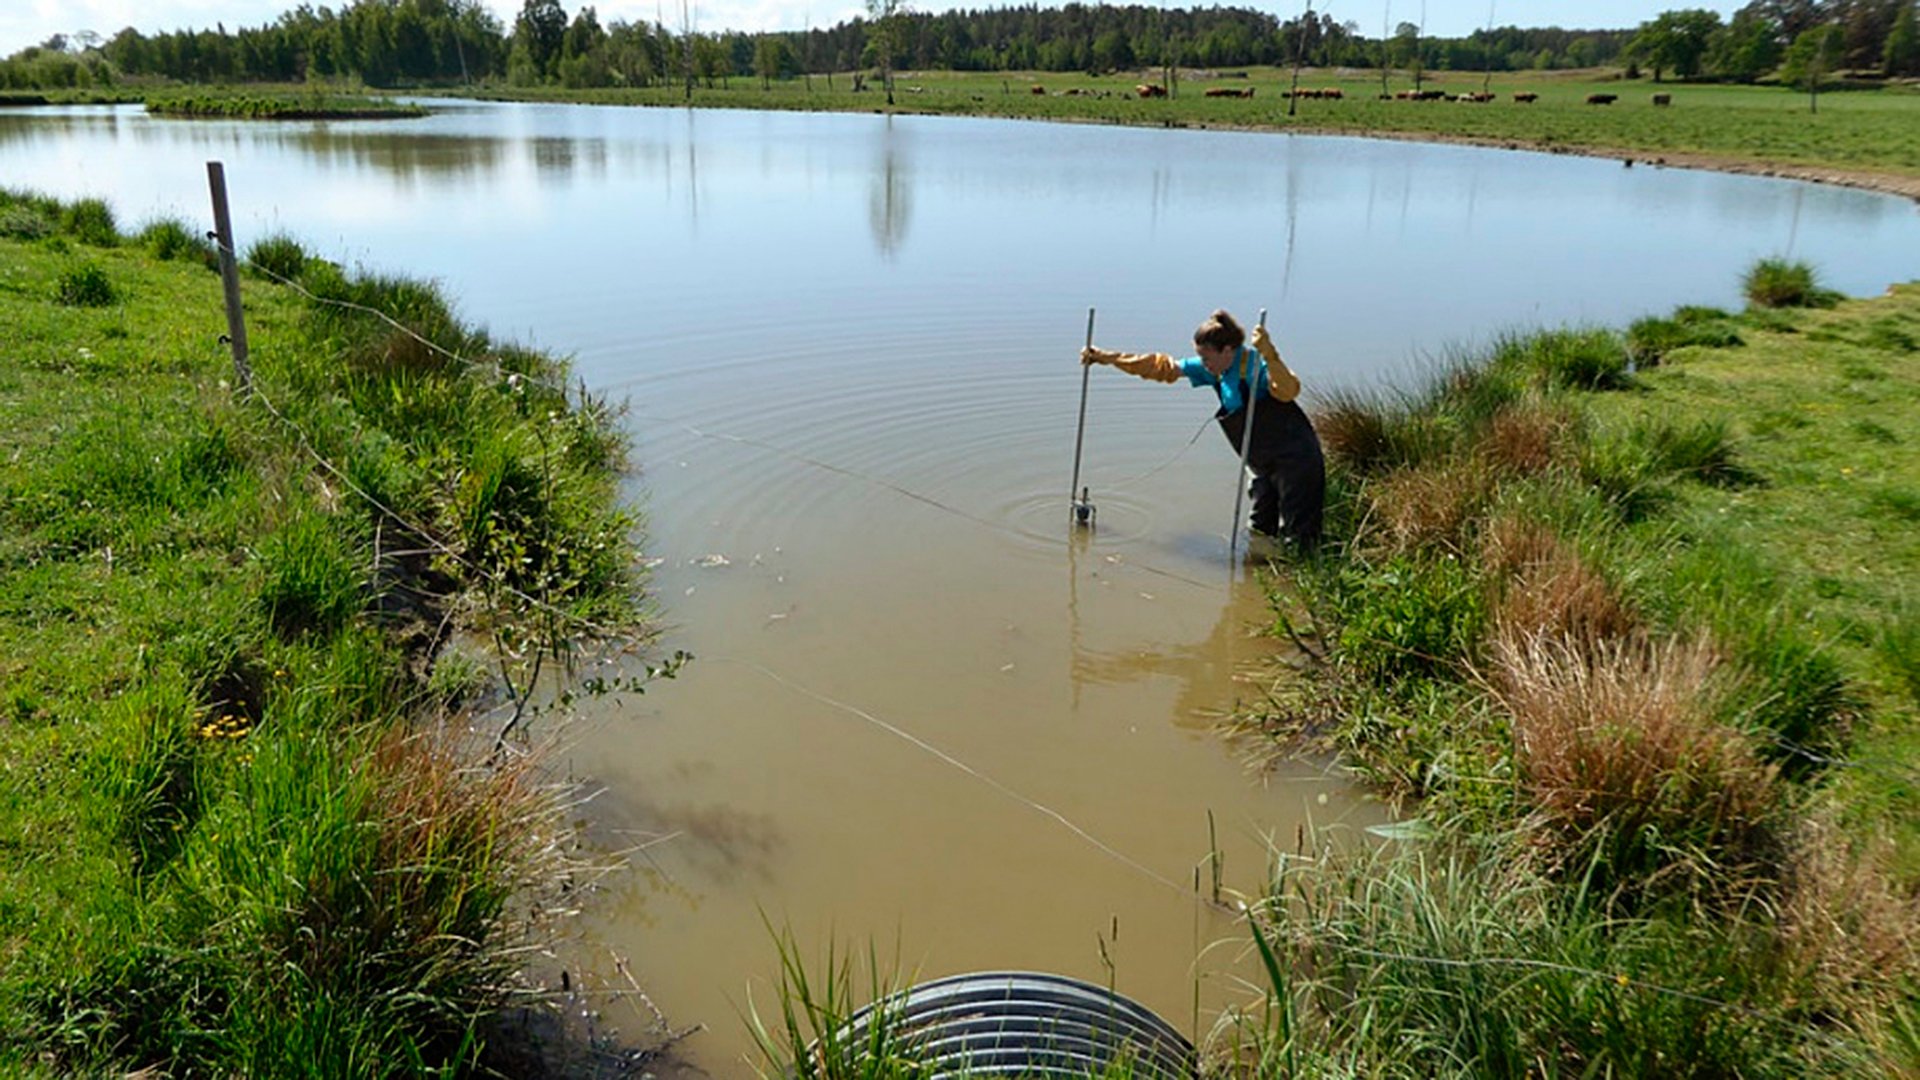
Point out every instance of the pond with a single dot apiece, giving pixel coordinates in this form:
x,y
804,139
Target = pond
x,y
921,716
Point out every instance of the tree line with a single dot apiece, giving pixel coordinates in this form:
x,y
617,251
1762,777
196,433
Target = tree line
x,y
393,43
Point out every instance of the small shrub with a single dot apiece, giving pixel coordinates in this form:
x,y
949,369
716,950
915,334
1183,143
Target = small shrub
x,y
278,257
90,221
22,222
170,238
313,581
1778,283
85,285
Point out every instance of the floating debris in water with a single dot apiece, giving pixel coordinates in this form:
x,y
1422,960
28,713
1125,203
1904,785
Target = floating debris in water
x,y
713,560
1146,596
652,561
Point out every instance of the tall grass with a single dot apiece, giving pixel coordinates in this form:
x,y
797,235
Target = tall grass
x,y
1460,962
1628,770
809,1036
1782,283
278,256
90,221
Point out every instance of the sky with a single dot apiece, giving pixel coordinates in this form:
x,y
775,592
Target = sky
x,y
29,22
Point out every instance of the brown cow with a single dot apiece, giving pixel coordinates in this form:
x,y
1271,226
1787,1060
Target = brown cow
x,y
1602,99
1333,93
1525,97
1663,99
1150,90
1038,89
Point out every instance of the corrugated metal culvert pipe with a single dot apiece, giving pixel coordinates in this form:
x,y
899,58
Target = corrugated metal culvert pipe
x,y
1026,1024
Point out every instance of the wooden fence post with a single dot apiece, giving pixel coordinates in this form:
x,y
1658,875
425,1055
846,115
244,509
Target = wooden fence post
x,y
229,277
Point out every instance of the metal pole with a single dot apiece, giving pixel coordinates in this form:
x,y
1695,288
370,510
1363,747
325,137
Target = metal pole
x,y
229,276
1246,443
1073,494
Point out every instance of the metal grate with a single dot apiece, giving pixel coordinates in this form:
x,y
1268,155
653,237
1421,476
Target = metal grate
x,y
1029,1024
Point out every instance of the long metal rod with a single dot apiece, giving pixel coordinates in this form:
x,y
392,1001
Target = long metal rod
x,y
1246,442
1073,493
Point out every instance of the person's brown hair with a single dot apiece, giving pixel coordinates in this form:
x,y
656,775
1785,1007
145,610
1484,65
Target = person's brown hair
x,y
1220,332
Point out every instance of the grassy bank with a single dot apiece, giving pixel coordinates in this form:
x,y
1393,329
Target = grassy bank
x,y
248,105
1872,134
254,819
1628,620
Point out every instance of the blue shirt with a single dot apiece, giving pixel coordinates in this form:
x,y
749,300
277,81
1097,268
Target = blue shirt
x,y
1231,387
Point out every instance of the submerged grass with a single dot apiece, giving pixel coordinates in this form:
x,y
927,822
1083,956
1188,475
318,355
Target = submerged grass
x,y
239,840
1658,644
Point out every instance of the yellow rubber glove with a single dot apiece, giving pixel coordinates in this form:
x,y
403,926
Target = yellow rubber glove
x,y
1282,383
1155,367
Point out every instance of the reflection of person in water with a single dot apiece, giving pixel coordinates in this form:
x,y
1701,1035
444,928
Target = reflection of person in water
x,y
1289,473
1205,668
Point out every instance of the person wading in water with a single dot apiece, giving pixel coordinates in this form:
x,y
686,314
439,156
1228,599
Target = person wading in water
x,y
1289,473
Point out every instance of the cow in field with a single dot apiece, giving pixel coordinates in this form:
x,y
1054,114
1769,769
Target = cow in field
x,y
1526,97
1038,89
1150,90
1663,99
1602,99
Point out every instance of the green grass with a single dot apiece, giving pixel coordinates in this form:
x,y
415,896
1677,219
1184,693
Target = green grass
x,y
1641,637
1460,960
1778,283
1872,132
229,844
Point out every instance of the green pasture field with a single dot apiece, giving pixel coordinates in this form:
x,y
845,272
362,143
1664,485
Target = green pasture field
x,y
1875,132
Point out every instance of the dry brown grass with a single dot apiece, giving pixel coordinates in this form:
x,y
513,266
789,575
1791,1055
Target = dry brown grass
x,y
1526,440
1548,589
1847,927
1425,507
1619,753
1353,432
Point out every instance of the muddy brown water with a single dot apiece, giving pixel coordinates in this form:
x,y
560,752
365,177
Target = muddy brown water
x,y
921,716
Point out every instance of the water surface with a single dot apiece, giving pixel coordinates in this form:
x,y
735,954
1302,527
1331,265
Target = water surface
x,y
920,716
